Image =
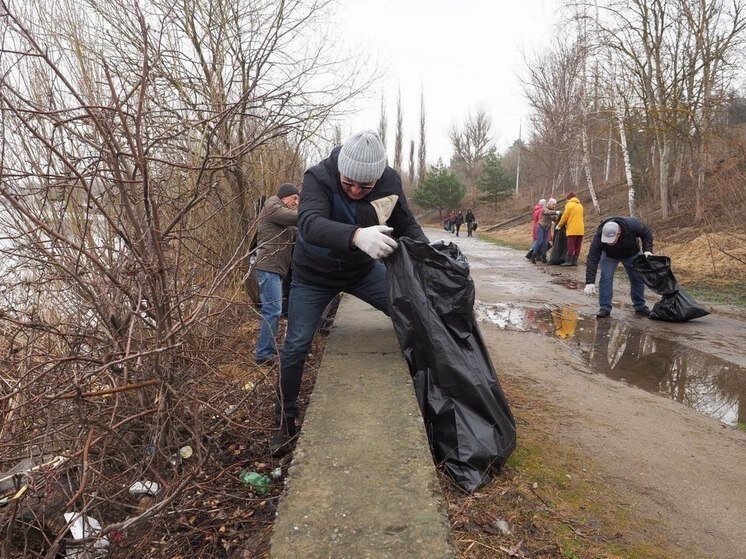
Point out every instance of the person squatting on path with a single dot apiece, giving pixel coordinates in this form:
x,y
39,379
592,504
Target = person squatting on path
x,y
470,219
275,237
617,240
536,215
352,207
548,216
572,220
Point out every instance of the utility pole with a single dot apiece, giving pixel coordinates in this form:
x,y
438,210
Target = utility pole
x,y
520,148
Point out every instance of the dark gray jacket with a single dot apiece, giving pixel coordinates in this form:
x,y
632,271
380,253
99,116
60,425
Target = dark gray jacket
x,y
275,236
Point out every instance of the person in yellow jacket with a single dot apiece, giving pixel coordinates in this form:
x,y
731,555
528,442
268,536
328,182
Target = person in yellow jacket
x,y
572,221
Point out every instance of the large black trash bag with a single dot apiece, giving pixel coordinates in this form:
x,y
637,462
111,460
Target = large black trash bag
x,y
469,423
675,305
559,249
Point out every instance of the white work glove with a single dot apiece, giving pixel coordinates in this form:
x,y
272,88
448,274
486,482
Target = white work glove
x,y
590,289
375,241
646,254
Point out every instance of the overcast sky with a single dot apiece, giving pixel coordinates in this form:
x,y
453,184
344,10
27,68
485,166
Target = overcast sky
x,y
465,53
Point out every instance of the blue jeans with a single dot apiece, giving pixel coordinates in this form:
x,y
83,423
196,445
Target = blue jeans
x,y
542,238
606,283
305,307
270,295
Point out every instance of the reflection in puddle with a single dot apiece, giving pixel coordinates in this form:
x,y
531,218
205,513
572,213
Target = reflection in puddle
x,y
630,354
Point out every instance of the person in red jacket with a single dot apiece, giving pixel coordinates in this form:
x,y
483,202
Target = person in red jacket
x,y
537,214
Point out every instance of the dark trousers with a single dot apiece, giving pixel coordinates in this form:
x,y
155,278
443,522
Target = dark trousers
x,y
305,307
573,244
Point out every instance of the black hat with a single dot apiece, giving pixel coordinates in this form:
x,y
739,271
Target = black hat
x,y
287,189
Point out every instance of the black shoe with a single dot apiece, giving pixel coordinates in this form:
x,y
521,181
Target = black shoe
x,y
267,360
281,441
603,313
644,311
544,258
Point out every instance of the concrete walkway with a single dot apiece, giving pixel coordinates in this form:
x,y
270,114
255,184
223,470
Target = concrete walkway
x,y
362,482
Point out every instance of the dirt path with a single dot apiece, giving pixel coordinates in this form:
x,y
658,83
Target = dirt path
x,y
655,404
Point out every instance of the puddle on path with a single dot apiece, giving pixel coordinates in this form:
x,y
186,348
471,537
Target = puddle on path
x,y
633,355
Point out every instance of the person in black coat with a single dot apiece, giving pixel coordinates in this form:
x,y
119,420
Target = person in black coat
x,y
617,239
470,219
459,221
352,210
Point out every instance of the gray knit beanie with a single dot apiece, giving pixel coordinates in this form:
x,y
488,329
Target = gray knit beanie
x,y
362,157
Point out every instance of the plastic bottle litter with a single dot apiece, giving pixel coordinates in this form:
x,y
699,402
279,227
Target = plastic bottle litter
x,y
258,482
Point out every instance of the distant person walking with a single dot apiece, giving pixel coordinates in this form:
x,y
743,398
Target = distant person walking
x,y
470,219
275,237
573,221
458,221
617,239
452,221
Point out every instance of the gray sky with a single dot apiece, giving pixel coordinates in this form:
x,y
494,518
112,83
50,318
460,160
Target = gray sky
x,y
465,53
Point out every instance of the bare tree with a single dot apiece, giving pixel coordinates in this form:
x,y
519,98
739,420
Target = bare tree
x,y
422,153
398,141
383,122
411,164
470,146
553,90
134,139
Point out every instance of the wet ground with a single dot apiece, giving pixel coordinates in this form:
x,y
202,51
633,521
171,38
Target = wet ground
x,y
699,363
653,405
636,356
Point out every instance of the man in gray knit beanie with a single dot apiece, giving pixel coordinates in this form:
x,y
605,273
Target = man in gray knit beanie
x,y
362,158
352,208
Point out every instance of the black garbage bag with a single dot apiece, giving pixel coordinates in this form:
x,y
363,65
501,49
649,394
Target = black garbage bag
x,y
559,249
468,420
675,305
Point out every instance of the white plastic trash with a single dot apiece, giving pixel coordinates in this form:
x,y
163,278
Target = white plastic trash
x,y
82,526
145,488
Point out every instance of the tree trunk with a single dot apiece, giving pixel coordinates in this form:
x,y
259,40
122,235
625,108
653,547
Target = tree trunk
x,y
664,165
588,175
627,165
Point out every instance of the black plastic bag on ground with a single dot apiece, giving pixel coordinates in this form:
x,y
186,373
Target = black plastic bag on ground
x,y
468,419
557,256
675,305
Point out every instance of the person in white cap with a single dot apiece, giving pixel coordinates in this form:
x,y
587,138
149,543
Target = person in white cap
x,y
352,209
617,239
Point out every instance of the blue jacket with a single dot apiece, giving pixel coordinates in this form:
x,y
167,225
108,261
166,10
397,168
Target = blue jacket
x,y
327,220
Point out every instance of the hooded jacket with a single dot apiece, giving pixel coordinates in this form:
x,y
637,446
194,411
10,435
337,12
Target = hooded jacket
x,y
572,218
327,220
631,230
275,236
